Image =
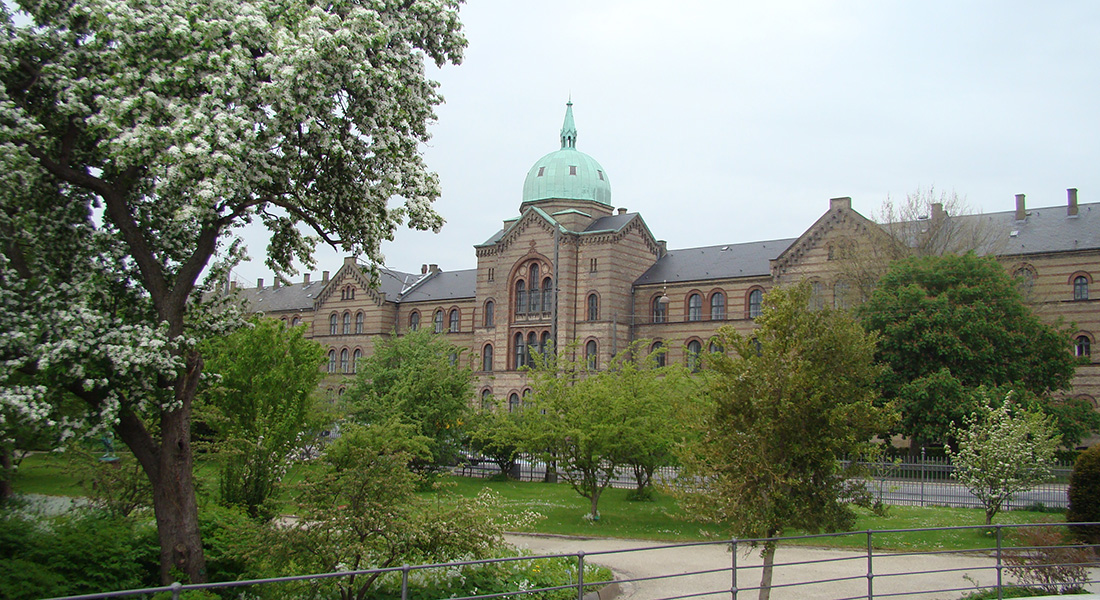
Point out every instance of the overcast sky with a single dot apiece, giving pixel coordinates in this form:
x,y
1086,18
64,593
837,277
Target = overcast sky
x,y
726,121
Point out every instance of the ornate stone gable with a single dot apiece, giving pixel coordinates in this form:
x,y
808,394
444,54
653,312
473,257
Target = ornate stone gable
x,y
840,216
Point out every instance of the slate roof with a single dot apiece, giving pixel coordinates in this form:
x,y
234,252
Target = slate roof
x,y
610,223
715,262
1046,229
300,296
444,285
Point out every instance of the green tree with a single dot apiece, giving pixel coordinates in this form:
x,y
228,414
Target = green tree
x,y
497,434
135,139
259,406
362,510
418,379
1004,449
949,324
786,404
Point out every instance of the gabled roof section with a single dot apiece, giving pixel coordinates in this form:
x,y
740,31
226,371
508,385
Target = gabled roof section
x,y
610,223
751,259
840,211
444,285
529,214
291,297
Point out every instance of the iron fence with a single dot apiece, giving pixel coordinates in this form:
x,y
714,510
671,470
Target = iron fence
x,y
1009,560
905,481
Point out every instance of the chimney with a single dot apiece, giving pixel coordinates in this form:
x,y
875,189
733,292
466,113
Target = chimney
x,y
324,276
232,286
622,211
845,202
937,212
1021,212
662,245
260,283
1071,210
432,268
305,279
424,269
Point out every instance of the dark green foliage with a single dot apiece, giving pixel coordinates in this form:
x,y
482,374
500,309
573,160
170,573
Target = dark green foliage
x,y
949,324
1084,495
79,553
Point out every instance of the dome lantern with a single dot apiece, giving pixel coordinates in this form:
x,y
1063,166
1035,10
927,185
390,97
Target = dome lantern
x,y
567,174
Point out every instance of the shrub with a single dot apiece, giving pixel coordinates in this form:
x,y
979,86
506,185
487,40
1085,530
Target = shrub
x,y
1084,495
1042,561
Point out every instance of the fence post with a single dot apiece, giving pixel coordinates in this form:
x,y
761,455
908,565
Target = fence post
x,y
733,582
922,471
580,575
870,571
1000,565
176,587
405,582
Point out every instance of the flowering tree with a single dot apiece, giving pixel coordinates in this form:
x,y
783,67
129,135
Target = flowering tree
x,y
135,137
1003,450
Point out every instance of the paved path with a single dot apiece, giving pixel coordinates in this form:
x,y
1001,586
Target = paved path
x,y
950,571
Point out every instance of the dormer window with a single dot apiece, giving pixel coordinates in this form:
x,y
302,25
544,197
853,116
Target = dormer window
x,y
599,174
572,169
542,170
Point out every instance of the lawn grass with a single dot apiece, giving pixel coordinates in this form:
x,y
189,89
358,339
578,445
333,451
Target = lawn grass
x,y
659,520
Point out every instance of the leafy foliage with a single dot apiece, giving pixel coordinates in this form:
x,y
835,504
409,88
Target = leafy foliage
x,y
1043,561
1084,495
1004,449
363,511
416,379
134,139
259,406
949,324
498,435
119,487
785,406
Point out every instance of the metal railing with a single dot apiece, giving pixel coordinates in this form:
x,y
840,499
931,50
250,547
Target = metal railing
x,y
864,573
909,482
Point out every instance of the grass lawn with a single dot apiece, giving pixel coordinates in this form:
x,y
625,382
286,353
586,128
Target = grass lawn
x,y
658,520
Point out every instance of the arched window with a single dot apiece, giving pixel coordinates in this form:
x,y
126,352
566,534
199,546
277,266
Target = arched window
x,y
658,352
544,343
591,355
513,402
486,399
717,306
1082,346
358,322
842,295
332,320
817,296
756,303
695,308
414,321
437,322
452,358
1025,280
347,324
532,349
715,347
521,297
487,358
489,313
534,299
593,307
518,349
331,361
1080,288
694,360
454,321
344,366
355,358
547,294
296,321
660,309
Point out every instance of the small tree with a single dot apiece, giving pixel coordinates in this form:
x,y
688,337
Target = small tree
x,y
418,379
497,434
361,510
786,405
1003,450
259,406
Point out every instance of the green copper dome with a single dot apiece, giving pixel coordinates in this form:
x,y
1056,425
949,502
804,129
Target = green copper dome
x,y
567,173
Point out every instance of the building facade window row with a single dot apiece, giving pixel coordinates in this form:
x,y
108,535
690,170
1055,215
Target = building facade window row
x,y
341,325
345,361
694,302
534,291
526,345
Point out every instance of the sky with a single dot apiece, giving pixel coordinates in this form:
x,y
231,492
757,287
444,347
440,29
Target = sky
x,y
723,121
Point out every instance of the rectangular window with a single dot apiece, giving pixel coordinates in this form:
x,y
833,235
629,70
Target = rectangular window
x,y
592,265
491,273
572,170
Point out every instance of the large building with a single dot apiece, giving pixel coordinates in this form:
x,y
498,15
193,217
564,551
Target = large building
x,y
570,268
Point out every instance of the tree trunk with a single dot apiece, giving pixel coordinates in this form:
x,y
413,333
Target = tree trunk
x,y
169,467
595,498
7,473
766,571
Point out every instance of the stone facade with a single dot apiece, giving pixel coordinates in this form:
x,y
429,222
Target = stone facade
x,y
574,272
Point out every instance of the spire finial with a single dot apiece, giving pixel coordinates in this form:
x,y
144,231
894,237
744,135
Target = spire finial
x,y
568,128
